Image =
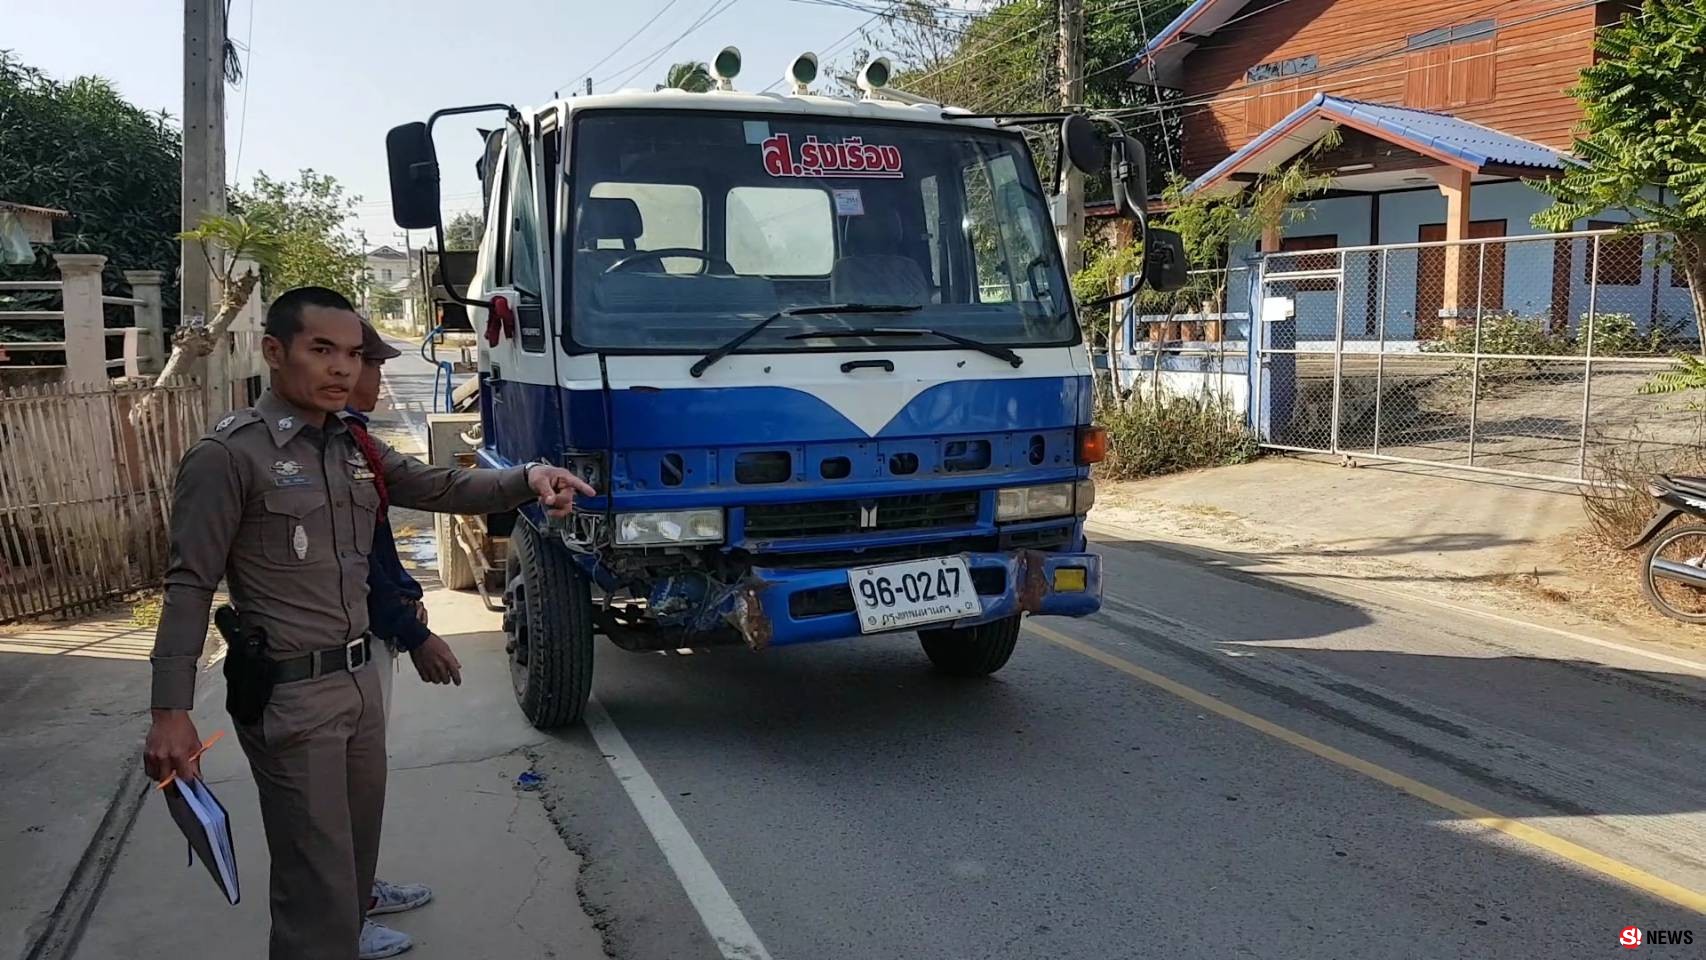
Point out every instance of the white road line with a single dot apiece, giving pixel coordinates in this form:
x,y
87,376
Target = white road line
x,y
717,910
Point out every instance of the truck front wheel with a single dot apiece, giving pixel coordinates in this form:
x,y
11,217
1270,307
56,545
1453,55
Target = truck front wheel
x,y
548,630
971,651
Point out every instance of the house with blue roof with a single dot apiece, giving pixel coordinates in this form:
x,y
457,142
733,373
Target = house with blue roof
x,y
1442,109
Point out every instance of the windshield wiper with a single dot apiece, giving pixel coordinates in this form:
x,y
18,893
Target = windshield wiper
x,y
998,352
704,363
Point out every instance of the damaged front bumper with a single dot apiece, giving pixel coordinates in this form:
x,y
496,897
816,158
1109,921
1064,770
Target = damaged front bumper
x,y
776,607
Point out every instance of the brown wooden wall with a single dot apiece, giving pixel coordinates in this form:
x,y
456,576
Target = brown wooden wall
x,y
1514,80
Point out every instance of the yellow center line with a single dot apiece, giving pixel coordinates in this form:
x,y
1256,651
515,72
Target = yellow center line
x,y
1557,846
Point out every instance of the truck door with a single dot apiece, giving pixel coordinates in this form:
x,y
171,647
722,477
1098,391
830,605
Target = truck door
x,y
525,412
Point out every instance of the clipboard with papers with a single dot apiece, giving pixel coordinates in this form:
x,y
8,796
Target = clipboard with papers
x,y
207,827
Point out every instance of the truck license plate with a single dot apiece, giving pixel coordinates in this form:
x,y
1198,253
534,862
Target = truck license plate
x,y
899,596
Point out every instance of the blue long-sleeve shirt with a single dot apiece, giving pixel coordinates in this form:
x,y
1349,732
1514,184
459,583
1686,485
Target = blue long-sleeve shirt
x,y
391,591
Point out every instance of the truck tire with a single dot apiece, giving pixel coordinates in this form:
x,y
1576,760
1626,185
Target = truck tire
x,y
454,570
548,630
971,651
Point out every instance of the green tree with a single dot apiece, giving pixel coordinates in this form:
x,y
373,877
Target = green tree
x,y
692,77
1004,58
81,147
384,302
312,216
463,232
1642,142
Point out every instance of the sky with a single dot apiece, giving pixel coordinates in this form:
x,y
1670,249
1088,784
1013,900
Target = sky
x,y
327,78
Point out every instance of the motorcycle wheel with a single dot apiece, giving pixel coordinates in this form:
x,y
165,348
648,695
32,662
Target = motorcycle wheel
x,y
1679,601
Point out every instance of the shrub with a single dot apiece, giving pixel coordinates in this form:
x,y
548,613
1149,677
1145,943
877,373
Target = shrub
x,y
1615,497
1149,437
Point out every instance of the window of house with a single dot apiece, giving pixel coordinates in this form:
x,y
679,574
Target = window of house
x,y
386,273
1451,66
1319,261
1452,34
1620,258
780,231
1281,68
1269,103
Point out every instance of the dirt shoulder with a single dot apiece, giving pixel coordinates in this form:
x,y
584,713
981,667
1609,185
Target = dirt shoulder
x,y
1517,546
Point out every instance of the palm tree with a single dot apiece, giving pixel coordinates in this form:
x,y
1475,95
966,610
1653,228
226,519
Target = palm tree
x,y
692,77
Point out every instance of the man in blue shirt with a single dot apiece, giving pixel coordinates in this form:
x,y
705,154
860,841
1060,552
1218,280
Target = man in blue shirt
x,y
397,617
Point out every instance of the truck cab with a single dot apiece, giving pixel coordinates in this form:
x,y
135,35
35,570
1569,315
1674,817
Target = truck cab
x,y
819,357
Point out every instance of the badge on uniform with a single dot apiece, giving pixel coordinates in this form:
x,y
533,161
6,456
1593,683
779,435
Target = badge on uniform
x,y
288,473
285,423
221,425
359,468
299,542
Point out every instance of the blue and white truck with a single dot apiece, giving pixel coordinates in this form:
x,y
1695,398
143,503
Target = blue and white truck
x,y
818,356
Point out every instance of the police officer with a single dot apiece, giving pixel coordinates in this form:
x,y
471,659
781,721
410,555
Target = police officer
x,y
279,501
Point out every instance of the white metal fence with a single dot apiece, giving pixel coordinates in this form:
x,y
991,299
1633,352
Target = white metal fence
x,y
1520,355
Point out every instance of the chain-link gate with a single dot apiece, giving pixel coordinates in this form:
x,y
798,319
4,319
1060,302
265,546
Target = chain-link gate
x,y
1522,355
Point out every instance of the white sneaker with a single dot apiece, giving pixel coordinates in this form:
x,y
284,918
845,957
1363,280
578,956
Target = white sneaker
x,y
378,941
397,897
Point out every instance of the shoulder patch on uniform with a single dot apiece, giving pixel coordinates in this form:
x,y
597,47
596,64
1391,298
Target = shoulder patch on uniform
x,y
234,420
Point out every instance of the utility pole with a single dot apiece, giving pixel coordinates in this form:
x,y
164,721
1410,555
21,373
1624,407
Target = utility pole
x,y
365,278
409,275
1069,221
204,162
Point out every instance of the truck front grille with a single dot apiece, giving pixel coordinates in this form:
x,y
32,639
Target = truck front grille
x,y
818,518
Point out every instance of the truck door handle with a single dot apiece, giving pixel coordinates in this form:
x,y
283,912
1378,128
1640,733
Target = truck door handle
x,y
887,366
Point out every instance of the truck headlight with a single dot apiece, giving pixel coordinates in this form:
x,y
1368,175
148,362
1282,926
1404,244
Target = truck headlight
x,y
1086,495
659,528
1034,503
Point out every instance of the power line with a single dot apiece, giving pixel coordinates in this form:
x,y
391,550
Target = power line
x,y
243,115
711,13
834,46
623,45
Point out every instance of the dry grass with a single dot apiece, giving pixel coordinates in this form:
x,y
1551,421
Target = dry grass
x,y
1616,501
145,611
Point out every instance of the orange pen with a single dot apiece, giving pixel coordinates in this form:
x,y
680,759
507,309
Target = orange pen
x,y
195,756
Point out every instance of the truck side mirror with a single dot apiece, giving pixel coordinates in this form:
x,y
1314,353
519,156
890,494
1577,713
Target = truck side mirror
x,y
1083,144
1130,176
414,176
1164,265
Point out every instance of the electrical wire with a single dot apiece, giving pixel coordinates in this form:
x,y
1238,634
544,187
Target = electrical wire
x,y
834,47
716,9
243,115
623,45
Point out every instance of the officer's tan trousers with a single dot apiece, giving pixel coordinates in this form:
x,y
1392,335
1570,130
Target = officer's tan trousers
x,y
318,756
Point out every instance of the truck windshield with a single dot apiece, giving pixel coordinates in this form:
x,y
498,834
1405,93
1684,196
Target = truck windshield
x,y
691,226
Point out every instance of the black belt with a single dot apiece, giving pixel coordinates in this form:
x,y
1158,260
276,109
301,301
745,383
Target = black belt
x,y
350,657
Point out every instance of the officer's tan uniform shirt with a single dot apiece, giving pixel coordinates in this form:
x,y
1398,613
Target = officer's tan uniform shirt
x,y
286,513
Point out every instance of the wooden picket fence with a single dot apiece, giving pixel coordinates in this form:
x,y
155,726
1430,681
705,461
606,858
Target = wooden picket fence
x,y
85,492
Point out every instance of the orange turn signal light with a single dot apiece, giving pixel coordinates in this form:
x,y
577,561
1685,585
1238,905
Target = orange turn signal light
x,y
1092,444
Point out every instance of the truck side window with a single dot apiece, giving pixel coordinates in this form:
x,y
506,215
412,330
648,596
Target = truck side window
x,y
780,231
984,233
522,269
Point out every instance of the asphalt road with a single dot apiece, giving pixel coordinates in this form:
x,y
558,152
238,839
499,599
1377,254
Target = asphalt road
x,y
1226,762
